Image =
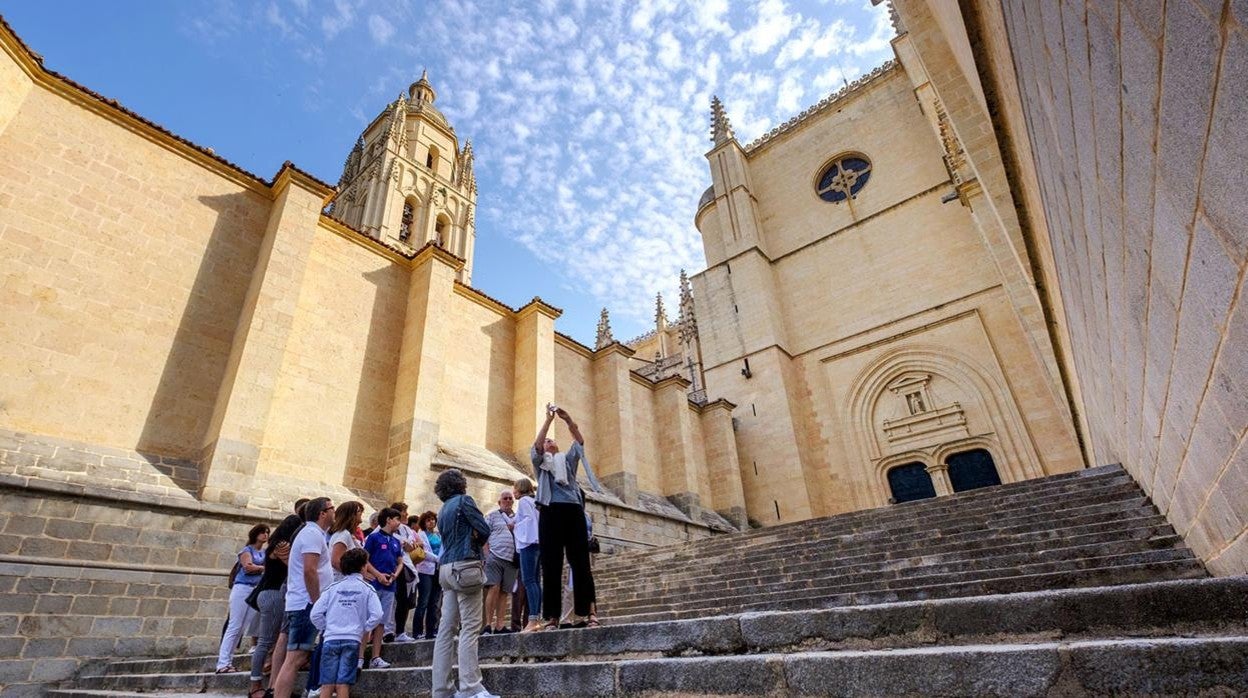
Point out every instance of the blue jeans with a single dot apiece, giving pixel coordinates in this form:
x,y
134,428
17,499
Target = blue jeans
x,y
339,662
428,596
531,577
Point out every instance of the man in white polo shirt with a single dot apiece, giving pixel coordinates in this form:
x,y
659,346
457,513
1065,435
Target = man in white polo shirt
x,y
310,573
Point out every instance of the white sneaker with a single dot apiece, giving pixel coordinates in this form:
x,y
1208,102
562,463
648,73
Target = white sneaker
x,y
314,694
359,664
378,663
404,637
479,694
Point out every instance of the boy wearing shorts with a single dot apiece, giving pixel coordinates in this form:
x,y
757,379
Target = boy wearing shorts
x,y
385,551
343,613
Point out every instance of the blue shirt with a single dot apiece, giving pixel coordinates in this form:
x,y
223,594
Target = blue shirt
x,y
463,530
385,553
257,558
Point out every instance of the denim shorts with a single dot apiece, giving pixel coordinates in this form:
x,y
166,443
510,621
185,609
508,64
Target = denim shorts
x,y
387,602
339,660
300,633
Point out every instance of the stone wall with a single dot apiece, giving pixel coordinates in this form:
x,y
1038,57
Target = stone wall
x,y
84,578
1135,113
123,264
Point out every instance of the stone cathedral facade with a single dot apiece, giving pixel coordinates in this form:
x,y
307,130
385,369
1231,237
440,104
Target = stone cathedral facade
x,y
966,267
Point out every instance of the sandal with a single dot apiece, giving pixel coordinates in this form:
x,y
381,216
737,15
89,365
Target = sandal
x,y
258,693
227,669
593,622
551,625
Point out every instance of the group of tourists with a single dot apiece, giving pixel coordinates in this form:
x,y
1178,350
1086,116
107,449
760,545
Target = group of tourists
x,y
319,592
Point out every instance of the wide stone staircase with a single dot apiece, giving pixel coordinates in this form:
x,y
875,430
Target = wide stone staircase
x,y
1069,585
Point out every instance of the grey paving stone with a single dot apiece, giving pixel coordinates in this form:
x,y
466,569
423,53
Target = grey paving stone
x,y
963,671
1206,666
753,675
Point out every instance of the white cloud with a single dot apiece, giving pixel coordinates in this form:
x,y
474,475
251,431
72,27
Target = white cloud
x,y
589,120
773,24
380,28
342,17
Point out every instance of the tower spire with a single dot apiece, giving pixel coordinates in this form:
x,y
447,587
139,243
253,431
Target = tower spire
x,y
721,129
660,313
604,331
422,89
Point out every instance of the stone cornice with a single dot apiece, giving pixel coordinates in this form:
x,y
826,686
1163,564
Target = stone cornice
x,y
835,99
290,174
566,341
672,380
362,239
537,305
431,251
614,348
484,300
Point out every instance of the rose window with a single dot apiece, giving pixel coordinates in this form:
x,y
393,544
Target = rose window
x,y
843,178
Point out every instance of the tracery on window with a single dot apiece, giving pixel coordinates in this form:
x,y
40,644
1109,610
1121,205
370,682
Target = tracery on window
x,y
409,216
843,178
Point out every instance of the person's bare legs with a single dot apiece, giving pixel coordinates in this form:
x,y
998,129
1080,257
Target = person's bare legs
x,y
378,633
341,690
290,671
503,611
279,657
491,607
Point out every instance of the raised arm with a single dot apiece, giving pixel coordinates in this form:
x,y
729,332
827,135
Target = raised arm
x,y
576,432
539,444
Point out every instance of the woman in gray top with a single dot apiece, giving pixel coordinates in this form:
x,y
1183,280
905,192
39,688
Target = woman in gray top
x,y
561,526
463,531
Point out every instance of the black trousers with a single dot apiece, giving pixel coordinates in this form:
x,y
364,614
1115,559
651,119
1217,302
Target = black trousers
x,y
561,530
403,602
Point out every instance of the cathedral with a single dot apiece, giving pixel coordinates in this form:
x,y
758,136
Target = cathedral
x,y
967,267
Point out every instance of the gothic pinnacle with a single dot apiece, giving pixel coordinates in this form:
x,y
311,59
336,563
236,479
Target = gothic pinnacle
x,y
660,313
604,331
721,129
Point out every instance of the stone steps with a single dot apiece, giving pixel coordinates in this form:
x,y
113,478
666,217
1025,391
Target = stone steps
x,y
823,598
1153,666
1073,585
1081,641
964,530
1205,606
1101,500
889,573
975,502
1129,539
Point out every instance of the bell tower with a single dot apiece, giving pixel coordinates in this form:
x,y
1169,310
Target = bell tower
x,y
408,182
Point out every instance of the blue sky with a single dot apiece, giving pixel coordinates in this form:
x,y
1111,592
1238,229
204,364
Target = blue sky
x,y
589,120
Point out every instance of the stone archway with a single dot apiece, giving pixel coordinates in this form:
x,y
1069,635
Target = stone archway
x,y
898,414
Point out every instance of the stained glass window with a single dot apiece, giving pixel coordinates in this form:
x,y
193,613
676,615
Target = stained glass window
x,y
843,178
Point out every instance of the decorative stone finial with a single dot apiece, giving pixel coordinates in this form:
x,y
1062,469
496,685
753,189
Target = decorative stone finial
x,y
422,89
604,331
721,129
660,313
688,323
465,176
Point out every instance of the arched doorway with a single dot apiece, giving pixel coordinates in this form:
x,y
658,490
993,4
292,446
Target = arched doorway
x,y
972,469
909,482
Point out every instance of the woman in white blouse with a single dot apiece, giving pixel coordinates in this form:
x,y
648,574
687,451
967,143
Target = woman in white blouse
x,y
530,553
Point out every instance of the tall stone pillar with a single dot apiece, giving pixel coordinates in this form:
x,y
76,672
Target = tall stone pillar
x,y
678,463
534,381
615,439
232,450
722,462
414,420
